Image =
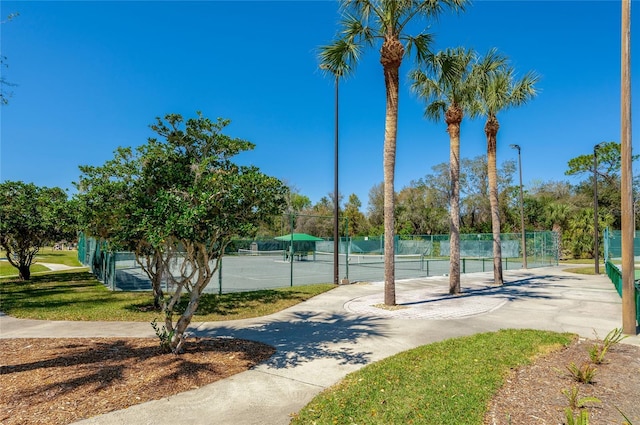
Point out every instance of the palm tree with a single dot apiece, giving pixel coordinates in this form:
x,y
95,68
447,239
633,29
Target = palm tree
x,y
364,23
499,90
558,215
447,89
448,85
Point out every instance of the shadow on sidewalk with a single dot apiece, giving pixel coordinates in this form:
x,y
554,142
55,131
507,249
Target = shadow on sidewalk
x,y
307,336
535,287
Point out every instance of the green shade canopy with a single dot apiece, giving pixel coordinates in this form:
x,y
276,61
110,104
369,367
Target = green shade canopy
x,y
298,237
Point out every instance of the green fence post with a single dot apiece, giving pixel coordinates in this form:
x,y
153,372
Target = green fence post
x,y
291,252
348,247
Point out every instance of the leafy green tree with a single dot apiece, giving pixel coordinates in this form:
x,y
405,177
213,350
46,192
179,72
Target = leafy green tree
x,y
358,224
375,209
558,215
364,23
447,87
608,161
422,210
499,90
32,217
188,198
107,200
474,188
580,232
317,219
298,202
474,202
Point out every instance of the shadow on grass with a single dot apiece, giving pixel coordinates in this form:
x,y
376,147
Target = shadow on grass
x,y
48,285
67,289
229,304
83,277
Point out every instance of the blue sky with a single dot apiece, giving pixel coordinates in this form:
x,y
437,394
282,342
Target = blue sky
x,y
91,76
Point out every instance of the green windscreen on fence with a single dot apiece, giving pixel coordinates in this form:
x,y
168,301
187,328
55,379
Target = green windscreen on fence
x,y
613,244
265,262
613,251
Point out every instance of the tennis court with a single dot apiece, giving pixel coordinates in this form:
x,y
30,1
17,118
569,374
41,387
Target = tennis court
x,y
272,270
312,261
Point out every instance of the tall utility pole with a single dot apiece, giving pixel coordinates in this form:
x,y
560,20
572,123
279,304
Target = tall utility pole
x,y
628,263
524,239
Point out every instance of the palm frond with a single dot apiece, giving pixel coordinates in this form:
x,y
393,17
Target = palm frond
x,y
428,9
525,89
422,45
435,110
342,56
498,87
339,58
491,62
363,8
445,80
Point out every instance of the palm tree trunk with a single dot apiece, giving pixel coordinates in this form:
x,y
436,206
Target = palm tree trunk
x,y
491,131
453,118
390,58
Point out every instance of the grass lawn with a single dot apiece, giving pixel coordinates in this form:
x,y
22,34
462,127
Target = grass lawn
x,y
7,269
66,257
449,382
77,295
45,255
589,267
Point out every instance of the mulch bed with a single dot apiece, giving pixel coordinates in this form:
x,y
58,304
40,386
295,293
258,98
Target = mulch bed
x,y
63,380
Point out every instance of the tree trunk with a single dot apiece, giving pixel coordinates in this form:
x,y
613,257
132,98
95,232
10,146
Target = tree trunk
x,y
491,131
156,281
177,342
453,118
21,259
153,265
24,272
390,57
199,259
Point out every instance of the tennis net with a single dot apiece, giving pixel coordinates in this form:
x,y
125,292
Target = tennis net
x,y
413,261
254,253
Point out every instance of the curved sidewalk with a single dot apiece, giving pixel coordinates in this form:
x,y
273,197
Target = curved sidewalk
x,y
321,340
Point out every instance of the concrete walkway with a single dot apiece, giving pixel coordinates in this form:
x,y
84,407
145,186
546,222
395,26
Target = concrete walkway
x,y
321,340
50,266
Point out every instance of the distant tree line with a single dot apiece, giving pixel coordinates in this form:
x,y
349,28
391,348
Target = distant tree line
x,y
422,207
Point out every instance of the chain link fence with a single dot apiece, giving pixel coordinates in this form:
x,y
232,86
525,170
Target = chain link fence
x,y
613,255
266,262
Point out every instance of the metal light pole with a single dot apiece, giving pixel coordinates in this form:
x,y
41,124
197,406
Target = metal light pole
x,y
522,230
336,207
596,251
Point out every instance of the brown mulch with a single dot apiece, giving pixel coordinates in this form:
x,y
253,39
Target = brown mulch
x,y
63,380
534,394
60,381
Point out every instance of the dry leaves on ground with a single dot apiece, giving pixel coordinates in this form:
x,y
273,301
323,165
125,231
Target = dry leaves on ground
x,y
62,380
534,394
